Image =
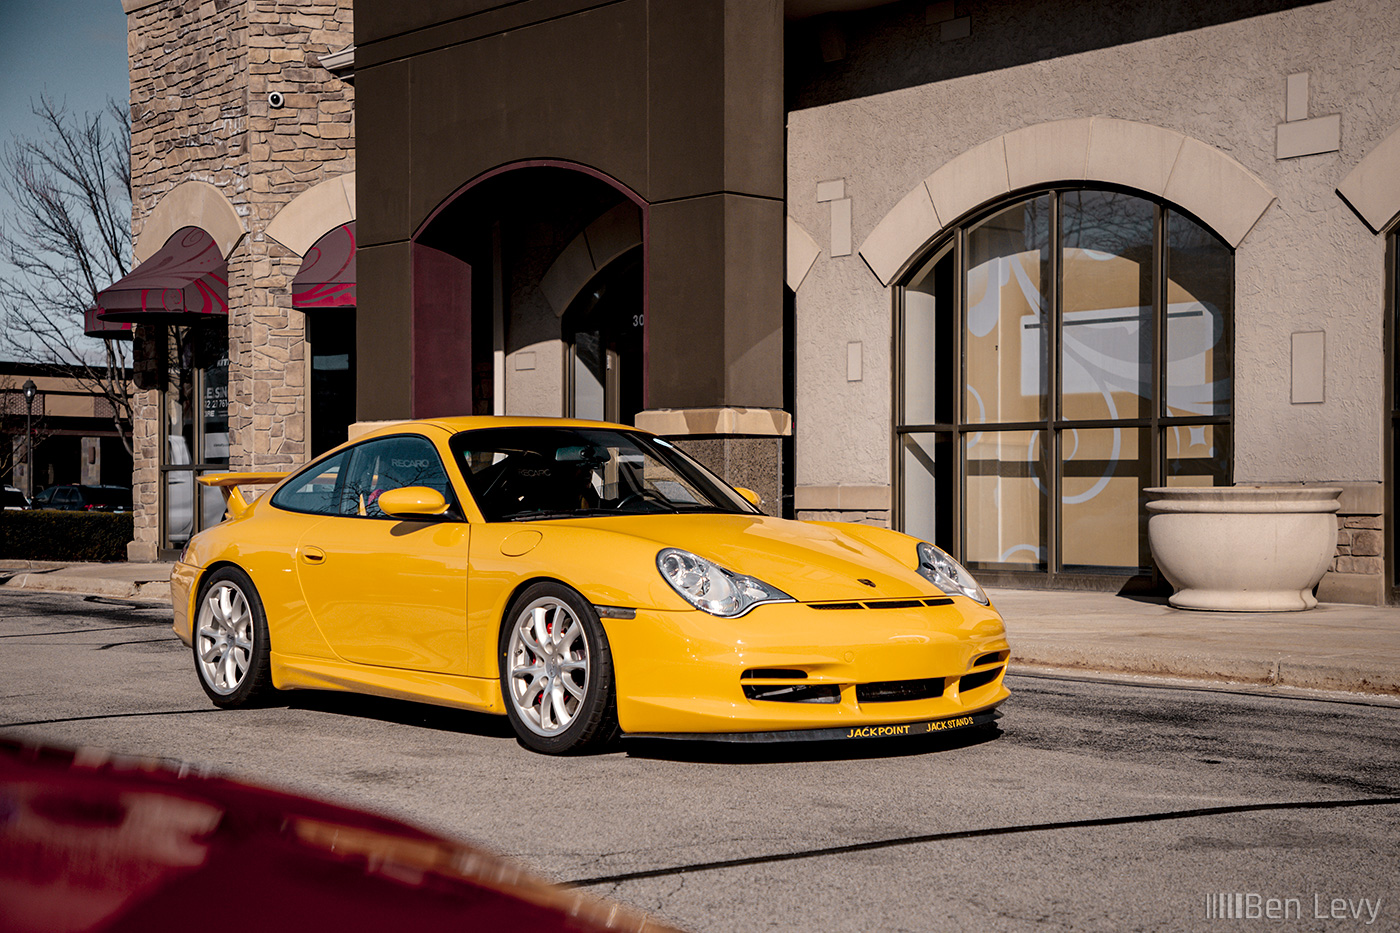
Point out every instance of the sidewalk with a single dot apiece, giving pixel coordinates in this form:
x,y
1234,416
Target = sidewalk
x,y
1332,647
118,581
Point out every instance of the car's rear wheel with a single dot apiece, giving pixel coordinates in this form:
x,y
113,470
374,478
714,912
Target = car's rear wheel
x,y
231,645
556,671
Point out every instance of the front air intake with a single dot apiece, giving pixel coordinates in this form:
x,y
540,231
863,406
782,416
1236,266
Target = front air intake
x,y
793,693
899,691
978,679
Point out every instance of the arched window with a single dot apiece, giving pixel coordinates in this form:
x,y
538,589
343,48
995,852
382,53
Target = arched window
x,y
1059,354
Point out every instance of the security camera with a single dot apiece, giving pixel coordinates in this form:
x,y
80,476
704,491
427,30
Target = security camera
x,y
275,99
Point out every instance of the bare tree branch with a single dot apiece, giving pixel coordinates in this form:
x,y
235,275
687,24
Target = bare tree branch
x,y
67,237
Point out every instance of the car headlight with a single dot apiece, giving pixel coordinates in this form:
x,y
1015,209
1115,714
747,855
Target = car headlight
x,y
708,586
947,574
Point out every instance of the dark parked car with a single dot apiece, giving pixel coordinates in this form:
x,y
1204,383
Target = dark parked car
x,y
84,499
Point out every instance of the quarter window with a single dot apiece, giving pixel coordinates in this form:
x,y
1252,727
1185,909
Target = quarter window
x,y
1058,355
315,489
377,466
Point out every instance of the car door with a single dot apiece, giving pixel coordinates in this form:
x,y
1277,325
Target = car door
x,y
387,592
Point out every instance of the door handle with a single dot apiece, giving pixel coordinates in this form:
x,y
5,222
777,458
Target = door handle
x,y
313,555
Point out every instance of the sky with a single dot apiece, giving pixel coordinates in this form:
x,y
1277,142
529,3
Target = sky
x,y
73,51
68,49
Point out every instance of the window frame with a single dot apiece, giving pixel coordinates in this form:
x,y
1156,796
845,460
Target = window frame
x,y
1052,426
197,466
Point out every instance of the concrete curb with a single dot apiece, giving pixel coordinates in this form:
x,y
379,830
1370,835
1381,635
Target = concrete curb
x,y
43,578
1281,670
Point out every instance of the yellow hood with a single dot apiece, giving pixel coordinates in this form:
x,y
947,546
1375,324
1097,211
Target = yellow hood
x,y
810,562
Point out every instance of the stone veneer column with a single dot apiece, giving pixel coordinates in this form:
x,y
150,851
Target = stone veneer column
x,y
201,73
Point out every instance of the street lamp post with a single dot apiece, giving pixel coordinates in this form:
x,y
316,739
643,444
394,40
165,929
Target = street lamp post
x,y
30,390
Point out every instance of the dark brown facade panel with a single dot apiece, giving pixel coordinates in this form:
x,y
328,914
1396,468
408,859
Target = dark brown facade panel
x,y
384,104
754,115
572,90
376,21
685,94
685,305
716,98
753,302
384,333
715,315
415,31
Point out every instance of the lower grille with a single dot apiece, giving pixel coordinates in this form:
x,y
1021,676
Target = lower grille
x,y
899,691
978,679
793,693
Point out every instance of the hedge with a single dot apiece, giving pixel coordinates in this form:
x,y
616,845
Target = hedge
x,y
51,535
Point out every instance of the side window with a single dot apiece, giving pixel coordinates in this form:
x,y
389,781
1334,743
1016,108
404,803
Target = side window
x,y
389,463
315,489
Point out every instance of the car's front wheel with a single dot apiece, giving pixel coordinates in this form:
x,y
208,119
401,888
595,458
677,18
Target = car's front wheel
x,y
232,653
556,671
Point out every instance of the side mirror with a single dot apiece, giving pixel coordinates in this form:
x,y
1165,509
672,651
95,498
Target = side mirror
x,y
752,497
412,502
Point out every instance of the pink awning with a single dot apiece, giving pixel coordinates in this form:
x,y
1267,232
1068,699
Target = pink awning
x,y
93,326
327,275
187,278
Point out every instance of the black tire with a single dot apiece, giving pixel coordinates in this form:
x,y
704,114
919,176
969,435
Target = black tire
x,y
232,650
560,697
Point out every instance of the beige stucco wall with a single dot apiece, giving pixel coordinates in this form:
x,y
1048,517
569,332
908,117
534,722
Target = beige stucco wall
x,y
1309,263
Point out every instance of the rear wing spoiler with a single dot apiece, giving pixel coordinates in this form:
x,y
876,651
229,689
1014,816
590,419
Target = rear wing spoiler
x,y
228,484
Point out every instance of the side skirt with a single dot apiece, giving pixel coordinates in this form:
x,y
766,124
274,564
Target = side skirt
x,y
481,694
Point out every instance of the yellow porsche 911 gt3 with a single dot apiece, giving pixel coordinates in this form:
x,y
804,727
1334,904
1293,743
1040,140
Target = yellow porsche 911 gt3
x,y
582,579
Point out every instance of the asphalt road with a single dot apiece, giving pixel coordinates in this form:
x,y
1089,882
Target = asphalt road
x,y
1099,806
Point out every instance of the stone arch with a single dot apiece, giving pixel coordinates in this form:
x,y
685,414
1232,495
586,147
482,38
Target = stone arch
x,y
1372,188
190,204
306,218
617,231
1184,171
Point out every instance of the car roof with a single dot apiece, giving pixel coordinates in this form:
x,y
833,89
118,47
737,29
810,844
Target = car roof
x,y
456,424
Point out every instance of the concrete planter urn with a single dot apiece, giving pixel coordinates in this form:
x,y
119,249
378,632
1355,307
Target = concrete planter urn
x,y
1243,548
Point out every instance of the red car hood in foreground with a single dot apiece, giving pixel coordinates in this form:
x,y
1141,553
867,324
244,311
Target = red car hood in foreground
x,y
93,842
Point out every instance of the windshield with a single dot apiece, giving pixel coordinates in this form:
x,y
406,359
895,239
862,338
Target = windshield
x,y
521,474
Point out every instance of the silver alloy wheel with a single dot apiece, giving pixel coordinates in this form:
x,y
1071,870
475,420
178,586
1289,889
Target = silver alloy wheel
x,y
549,666
224,637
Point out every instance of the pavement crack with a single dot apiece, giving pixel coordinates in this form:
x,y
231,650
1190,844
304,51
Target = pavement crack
x,y
157,712
1160,817
86,631
142,641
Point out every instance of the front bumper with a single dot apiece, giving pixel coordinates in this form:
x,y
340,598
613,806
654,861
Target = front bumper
x,y
693,674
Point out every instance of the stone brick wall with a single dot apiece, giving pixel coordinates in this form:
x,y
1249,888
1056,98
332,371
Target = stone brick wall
x,y
880,519
201,72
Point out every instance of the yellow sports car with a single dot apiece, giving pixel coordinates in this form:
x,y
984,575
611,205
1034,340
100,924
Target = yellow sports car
x,y
582,579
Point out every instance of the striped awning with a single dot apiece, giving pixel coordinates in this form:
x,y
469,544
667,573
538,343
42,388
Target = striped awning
x,y
186,279
327,275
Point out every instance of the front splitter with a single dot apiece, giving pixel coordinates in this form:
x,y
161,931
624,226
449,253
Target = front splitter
x,y
887,731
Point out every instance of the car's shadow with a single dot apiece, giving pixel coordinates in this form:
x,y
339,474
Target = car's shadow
x,y
749,753
447,719
401,712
